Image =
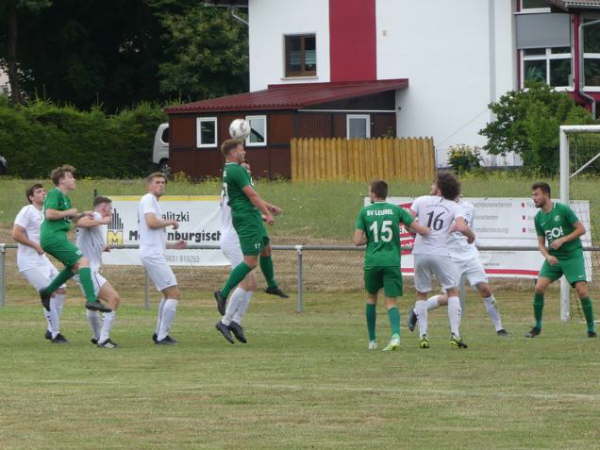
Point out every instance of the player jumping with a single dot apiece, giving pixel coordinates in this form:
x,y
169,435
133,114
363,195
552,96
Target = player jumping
x,y
442,215
557,224
378,226
53,238
90,239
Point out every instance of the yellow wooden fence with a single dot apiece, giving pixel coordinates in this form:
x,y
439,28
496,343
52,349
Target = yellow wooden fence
x,y
362,159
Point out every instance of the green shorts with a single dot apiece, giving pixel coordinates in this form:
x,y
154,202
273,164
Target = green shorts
x,y
572,268
252,233
62,249
388,278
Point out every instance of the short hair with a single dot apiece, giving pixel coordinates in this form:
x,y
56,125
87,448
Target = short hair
x,y
379,188
100,199
448,185
150,178
58,174
544,187
31,190
229,145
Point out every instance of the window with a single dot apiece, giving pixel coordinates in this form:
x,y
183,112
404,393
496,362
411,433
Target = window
x,y
258,133
534,6
206,132
300,55
358,126
552,66
591,55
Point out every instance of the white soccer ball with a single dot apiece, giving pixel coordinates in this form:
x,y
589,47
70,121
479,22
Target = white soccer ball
x,y
239,129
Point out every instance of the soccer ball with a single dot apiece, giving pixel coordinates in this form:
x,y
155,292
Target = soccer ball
x,y
239,129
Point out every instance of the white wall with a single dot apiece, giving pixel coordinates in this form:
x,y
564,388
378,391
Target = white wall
x,y
454,68
269,21
4,87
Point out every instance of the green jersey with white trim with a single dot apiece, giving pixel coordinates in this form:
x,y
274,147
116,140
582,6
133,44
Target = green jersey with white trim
x,y
559,222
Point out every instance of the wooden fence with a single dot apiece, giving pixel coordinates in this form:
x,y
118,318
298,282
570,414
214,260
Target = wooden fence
x,y
362,159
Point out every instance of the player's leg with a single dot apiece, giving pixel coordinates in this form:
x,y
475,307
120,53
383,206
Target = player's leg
x,y
489,300
447,274
392,287
247,288
548,274
586,305
107,293
373,278
422,280
574,271
266,267
164,280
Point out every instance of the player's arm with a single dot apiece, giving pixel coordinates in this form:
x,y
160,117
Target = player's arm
x,y
544,251
179,245
359,237
461,226
88,222
416,227
578,231
155,223
19,234
257,201
56,214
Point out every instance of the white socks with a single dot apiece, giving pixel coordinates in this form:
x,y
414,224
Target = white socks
x,y
237,306
421,312
432,302
454,315
159,315
490,306
57,302
169,310
107,324
94,320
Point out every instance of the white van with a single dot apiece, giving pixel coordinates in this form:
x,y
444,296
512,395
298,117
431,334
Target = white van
x,y
160,150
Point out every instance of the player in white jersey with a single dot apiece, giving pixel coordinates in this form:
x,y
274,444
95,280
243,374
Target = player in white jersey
x,y
153,243
32,262
442,215
465,256
231,322
91,234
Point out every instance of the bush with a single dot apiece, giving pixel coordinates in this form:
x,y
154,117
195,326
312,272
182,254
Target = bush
x,y
464,158
40,136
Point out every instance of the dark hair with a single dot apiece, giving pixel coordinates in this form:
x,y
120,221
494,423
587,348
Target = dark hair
x,y
544,187
229,145
99,200
154,175
57,174
379,188
448,185
30,191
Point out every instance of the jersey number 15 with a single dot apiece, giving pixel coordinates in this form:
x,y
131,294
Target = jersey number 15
x,y
385,233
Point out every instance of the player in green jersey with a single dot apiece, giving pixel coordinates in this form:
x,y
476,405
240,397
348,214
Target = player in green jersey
x,y
58,213
378,226
557,224
246,209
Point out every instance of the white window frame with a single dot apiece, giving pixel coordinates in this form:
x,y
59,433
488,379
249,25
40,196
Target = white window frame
x,y
199,121
532,10
547,56
257,144
590,56
358,116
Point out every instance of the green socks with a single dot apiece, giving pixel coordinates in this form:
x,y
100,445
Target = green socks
x,y
58,281
371,319
266,266
588,312
85,278
394,317
538,308
235,277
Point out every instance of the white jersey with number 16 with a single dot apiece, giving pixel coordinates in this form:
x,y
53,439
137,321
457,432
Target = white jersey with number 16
x,y
438,214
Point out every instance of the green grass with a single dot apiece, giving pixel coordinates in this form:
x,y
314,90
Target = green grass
x,y
303,381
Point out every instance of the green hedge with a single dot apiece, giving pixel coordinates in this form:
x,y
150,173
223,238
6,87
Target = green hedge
x,y
40,136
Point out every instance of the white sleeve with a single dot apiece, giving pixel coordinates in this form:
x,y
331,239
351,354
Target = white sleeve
x,y
22,218
148,205
458,211
415,205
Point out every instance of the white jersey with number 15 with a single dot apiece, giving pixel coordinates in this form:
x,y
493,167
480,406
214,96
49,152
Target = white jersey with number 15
x,y
438,214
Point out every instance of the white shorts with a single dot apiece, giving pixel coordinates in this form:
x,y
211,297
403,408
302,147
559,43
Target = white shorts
x,y
97,281
230,246
159,272
442,267
41,276
472,270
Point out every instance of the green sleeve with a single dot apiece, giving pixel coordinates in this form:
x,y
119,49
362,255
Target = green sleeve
x,y
538,228
360,221
405,217
52,200
239,176
570,215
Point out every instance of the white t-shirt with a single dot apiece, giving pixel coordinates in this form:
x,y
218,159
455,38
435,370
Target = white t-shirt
x,y
30,218
459,248
91,242
153,242
226,222
438,214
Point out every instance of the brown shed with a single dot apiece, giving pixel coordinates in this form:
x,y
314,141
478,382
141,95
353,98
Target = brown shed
x,y
361,109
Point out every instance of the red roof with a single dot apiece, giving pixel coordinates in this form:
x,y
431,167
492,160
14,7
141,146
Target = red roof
x,y
290,96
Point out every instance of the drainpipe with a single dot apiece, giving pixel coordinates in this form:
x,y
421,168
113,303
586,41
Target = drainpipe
x,y
588,97
232,11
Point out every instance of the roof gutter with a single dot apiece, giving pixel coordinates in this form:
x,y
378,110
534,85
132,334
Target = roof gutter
x,y
581,86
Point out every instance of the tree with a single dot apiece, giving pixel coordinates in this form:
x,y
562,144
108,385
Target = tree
x,y
527,123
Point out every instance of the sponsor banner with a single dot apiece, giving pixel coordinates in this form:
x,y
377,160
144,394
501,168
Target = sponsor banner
x,y
199,224
504,222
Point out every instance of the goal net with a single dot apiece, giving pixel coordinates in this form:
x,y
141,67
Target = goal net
x,y
579,171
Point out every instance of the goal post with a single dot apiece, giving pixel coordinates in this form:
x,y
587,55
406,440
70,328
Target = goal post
x,y
565,192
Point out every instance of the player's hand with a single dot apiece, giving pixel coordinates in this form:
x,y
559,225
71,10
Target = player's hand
x,y
174,224
470,239
275,210
180,245
269,219
71,212
557,243
552,260
39,249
